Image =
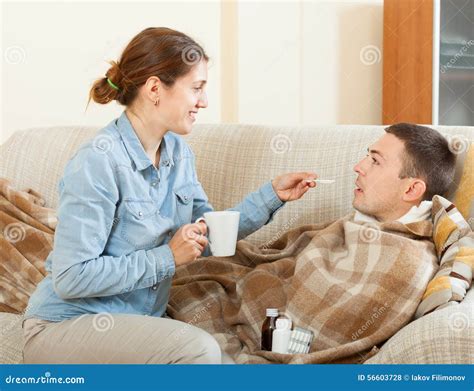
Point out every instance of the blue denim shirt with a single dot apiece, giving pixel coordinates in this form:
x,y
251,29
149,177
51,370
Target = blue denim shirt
x,y
117,212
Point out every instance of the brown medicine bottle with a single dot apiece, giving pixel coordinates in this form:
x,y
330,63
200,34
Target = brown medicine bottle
x,y
267,328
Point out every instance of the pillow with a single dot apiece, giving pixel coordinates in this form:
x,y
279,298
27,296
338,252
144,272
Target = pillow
x,y
462,191
454,243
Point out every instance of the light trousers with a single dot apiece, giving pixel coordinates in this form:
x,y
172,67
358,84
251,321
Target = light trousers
x,y
118,339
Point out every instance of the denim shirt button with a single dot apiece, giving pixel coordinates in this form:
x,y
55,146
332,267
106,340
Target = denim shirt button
x,y
154,287
140,213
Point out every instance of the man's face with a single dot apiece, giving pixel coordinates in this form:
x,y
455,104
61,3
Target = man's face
x,y
379,190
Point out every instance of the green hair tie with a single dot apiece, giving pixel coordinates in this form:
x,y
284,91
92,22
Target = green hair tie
x,y
112,84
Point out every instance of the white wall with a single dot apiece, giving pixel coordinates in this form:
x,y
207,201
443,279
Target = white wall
x,y
298,62
64,46
269,50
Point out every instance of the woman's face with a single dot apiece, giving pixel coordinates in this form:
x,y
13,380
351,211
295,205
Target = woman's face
x,y
179,105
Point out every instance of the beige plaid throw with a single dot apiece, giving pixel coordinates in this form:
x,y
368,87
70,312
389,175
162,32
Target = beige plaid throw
x,y
353,284
26,238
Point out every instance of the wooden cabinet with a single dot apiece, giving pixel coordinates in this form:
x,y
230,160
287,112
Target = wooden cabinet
x,y
428,67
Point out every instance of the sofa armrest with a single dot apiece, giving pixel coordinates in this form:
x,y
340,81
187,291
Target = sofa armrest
x,y
445,336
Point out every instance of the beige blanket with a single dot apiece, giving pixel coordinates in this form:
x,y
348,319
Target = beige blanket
x,y
26,238
354,285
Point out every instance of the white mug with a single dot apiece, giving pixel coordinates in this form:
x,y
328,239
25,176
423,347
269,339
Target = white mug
x,y
222,231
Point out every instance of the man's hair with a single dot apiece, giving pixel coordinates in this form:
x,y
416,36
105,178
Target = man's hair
x,y
427,156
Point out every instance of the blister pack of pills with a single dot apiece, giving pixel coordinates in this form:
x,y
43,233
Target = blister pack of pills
x,y
300,340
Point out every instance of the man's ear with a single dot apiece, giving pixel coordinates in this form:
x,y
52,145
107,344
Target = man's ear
x,y
415,191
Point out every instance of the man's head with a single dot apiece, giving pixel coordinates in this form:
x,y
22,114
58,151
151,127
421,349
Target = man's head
x,y
407,165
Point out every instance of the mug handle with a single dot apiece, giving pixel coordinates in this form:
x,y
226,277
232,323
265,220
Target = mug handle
x,y
204,220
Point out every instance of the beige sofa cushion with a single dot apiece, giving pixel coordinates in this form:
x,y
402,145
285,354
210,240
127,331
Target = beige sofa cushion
x,y
36,157
443,337
11,338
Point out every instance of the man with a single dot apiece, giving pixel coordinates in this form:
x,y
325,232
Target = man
x,y
352,282
402,172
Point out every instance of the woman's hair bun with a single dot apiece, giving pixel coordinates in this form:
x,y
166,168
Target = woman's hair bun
x,y
103,91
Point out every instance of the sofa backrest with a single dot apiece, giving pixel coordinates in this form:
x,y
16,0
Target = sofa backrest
x,y
232,160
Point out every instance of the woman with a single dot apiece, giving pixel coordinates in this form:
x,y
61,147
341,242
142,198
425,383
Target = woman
x,y
127,200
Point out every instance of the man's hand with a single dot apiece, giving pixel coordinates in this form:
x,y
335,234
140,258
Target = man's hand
x,y
293,186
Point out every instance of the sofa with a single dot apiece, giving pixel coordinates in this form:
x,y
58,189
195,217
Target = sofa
x,y
232,160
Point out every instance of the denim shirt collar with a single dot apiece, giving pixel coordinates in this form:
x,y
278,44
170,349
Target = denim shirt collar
x,y
135,148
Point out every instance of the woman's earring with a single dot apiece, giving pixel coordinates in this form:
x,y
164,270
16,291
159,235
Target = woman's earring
x,y
156,102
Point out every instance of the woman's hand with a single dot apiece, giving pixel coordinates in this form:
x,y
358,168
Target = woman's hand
x,y
290,187
188,243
